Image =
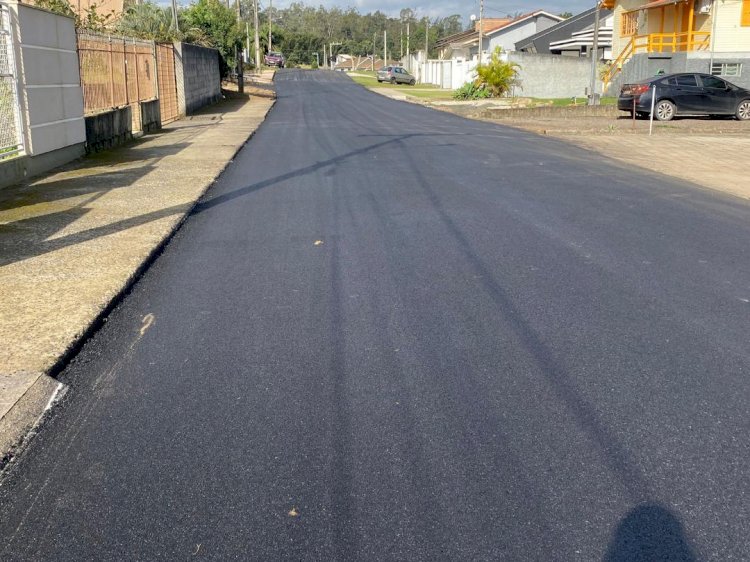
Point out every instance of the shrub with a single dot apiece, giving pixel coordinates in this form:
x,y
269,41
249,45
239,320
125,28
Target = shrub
x,y
497,75
471,91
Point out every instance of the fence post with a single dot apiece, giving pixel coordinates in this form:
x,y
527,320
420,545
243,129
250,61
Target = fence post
x,y
137,75
125,71
111,73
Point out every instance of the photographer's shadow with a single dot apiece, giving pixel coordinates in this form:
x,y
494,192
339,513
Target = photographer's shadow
x,y
650,532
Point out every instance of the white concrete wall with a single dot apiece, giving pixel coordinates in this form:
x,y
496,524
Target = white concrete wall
x,y
47,63
450,74
540,76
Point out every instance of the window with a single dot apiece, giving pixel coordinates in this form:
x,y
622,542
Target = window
x,y
713,82
686,80
629,23
726,69
745,22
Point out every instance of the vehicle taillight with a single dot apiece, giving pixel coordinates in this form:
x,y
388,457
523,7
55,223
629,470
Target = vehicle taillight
x,y
637,89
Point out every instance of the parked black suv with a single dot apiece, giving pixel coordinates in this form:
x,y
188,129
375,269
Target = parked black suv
x,y
685,94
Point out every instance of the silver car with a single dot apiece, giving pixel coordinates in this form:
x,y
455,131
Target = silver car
x,y
396,75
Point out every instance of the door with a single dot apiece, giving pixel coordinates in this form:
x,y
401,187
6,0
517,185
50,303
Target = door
x,y
687,93
717,96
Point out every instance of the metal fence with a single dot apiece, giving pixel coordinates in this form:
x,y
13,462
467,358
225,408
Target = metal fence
x,y
11,137
116,72
167,83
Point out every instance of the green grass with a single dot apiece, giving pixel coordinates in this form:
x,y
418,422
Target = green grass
x,y
429,92
421,91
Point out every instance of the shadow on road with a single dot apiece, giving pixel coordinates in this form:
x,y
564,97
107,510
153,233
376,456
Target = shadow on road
x,y
650,532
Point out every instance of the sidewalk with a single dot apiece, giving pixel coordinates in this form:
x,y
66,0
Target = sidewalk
x,y
74,240
712,161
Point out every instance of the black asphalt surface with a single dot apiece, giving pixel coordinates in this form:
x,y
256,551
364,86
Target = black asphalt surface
x,y
388,333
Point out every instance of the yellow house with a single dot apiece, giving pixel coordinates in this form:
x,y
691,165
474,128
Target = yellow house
x,y
660,27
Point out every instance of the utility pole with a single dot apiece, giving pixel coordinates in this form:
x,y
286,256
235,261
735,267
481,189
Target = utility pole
x,y
402,39
481,39
238,57
374,49
408,38
330,51
385,48
270,23
175,21
714,18
325,58
426,50
247,40
257,39
595,57
427,40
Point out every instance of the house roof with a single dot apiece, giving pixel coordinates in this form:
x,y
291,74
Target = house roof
x,y
470,37
658,4
571,25
490,24
525,17
456,38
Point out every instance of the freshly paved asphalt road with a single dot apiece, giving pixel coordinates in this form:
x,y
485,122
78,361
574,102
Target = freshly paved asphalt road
x,y
390,333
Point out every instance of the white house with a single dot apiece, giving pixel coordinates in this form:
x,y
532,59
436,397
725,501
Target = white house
x,y
519,29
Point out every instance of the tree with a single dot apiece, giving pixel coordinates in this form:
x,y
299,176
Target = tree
x,y
212,24
89,18
566,15
148,21
498,76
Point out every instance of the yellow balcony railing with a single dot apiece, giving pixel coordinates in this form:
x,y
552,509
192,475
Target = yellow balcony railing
x,y
674,42
657,43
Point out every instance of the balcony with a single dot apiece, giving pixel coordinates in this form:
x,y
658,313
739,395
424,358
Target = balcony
x,y
654,43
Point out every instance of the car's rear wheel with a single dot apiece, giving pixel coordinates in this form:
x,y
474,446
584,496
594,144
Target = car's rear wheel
x,y
743,110
664,110
412,81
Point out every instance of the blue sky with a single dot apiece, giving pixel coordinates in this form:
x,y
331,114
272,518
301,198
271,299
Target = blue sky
x,y
439,8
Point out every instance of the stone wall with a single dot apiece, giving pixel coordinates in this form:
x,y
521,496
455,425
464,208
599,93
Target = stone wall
x,y
198,77
551,76
109,129
150,116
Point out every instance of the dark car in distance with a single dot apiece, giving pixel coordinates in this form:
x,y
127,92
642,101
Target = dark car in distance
x,y
685,94
274,58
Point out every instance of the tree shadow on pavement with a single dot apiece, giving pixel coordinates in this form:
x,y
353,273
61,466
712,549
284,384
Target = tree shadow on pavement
x,y
24,238
650,532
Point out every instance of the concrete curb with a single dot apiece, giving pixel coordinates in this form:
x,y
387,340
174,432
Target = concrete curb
x,y
24,415
36,394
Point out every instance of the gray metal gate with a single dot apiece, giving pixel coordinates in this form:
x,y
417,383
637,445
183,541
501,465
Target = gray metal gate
x,y
11,130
